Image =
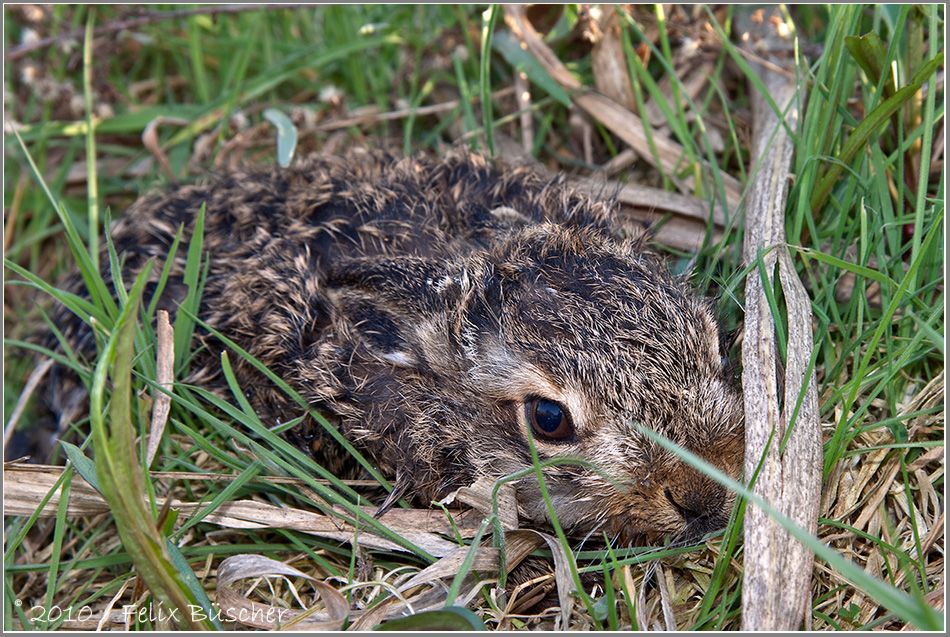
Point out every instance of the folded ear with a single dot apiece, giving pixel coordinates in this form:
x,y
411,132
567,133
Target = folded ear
x,y
387,301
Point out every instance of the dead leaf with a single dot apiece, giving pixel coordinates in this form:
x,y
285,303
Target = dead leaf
x,y
165,365
611,75
479,497
241,609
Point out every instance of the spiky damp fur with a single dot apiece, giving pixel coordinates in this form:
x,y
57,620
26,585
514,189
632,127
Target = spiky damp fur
x,y
419,305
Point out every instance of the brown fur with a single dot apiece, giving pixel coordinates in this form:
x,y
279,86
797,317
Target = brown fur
x,y
419,304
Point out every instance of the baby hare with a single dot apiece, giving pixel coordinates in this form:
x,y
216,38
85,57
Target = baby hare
x,y
437,313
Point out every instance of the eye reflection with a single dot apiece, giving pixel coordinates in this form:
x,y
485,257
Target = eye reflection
x,y
549,420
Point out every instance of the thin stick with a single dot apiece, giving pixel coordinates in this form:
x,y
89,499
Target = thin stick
x,y
35,377
783,430
404,112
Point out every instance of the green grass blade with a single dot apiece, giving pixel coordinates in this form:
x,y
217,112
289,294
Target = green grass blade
x,y
869,127
120,476
466,565
87,266
76,304
184,318
92,178
208,612
83,465
522,61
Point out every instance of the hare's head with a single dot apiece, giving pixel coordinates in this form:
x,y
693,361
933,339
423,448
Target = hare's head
x,y
563,333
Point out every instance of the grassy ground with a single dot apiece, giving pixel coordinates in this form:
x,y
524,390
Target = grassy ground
x,y
173,96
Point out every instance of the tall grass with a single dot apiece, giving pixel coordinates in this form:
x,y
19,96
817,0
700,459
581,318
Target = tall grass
x,y
865,222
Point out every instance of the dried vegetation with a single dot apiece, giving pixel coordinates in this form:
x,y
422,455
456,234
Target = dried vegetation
x,y
668,130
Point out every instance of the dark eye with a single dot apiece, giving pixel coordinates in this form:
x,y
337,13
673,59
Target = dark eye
x,y
549,421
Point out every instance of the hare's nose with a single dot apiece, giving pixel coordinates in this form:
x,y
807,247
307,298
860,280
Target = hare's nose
x,y
688,508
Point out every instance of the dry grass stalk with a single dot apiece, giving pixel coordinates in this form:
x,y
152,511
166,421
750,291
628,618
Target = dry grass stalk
x,y
612,115
685,227
25,486
165,372
777,584
867,500
608,62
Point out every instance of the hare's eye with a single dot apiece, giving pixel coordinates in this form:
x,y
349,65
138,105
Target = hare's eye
x,y
549,421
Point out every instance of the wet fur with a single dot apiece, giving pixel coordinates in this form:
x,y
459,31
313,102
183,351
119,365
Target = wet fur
x,y
417,304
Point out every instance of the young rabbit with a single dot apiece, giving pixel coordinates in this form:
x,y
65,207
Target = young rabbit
x,y
437,312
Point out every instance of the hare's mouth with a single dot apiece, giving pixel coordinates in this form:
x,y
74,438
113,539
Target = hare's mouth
x,y
678,524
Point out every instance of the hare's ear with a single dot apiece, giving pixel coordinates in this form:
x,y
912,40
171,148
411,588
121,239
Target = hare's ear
x,y
386,300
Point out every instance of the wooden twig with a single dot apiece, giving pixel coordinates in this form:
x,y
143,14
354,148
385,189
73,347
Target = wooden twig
x,y
403,113
31,384
776,591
